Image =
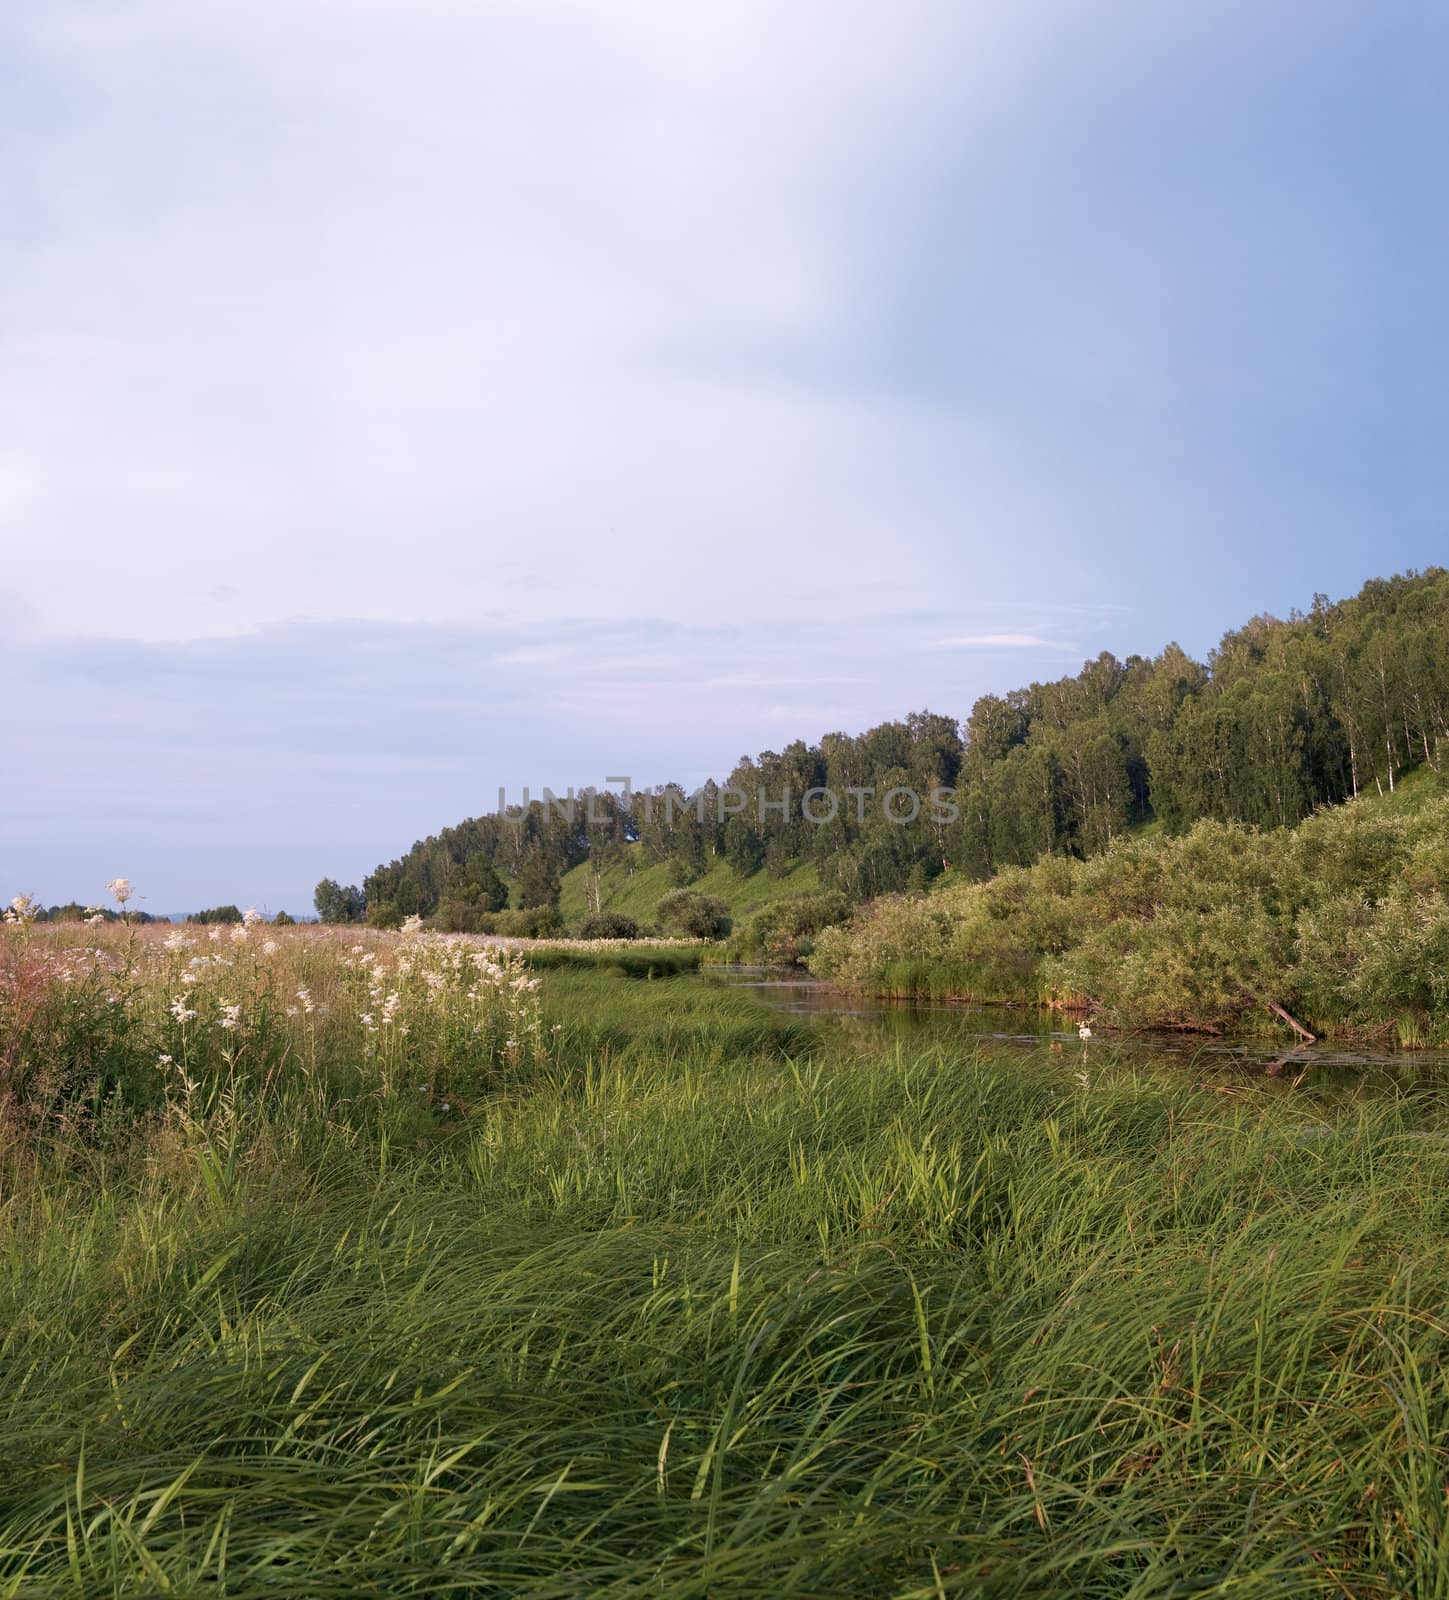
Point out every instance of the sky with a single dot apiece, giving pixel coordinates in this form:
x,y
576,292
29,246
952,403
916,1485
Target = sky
x,y
397,402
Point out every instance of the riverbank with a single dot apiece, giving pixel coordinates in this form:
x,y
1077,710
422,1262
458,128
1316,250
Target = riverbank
x,y
1339,927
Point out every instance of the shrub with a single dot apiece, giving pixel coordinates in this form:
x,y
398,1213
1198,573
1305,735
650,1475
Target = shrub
x,y
608,925
694,916
784,931
1209,970
1343,921
461,916
537,922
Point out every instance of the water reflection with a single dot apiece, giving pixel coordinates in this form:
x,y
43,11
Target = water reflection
x,y
919,1022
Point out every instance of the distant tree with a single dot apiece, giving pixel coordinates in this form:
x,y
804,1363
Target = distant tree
x,y
75,912
743,847
336,902
482,885
538,881
687,860
282,920
217,914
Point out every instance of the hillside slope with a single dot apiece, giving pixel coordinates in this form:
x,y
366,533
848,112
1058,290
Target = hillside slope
x,y
635,888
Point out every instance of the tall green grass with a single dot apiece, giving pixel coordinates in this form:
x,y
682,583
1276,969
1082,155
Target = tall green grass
x,y
645,961
707,1306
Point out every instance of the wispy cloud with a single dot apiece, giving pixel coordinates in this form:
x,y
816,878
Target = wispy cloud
x,y
1001,641
765,680
533,655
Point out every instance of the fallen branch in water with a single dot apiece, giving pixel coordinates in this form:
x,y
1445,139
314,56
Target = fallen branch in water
x,y
1296,1026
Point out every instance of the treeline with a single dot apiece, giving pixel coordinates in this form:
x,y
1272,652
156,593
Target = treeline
x,y
756,822
231,913
1284,716
74,911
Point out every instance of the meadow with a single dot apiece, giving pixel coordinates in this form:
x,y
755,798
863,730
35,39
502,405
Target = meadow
x,y
341,1264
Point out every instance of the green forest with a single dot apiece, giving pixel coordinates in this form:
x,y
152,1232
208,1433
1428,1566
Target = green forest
x,y
1284,717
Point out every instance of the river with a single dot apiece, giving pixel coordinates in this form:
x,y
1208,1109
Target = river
x,y
1029,1029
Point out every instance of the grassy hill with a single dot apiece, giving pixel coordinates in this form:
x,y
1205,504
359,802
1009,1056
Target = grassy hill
x,y
634,888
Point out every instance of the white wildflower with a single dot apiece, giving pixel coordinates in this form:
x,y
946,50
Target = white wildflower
x,y
230,1015
251,916
121,889
1083,1031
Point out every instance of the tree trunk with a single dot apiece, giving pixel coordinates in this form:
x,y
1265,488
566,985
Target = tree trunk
x,y
1296,1026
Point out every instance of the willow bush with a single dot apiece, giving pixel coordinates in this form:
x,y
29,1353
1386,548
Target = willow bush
x,y
1342,921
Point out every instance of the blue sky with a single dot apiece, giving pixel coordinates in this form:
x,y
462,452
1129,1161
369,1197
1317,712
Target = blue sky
x,y
397,402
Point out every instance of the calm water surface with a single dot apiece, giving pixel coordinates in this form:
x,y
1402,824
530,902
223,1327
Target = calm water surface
x,y
1006,1028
